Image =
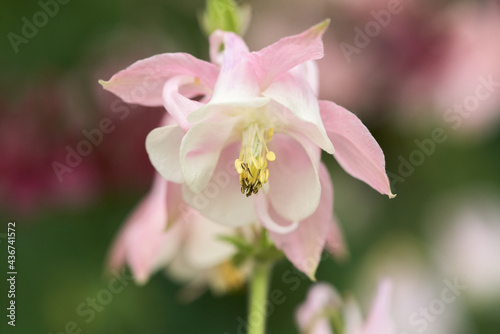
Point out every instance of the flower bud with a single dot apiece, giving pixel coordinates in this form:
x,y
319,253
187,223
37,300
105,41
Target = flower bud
x,y
225,15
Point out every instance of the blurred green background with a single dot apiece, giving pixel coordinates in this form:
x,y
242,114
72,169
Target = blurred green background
x,y
49,94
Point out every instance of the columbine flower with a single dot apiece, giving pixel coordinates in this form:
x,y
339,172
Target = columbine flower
x,y
262,104
415,286
163,232
324,312
251,123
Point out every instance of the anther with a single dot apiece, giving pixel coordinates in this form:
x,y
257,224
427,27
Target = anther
x,y
254,156
271,156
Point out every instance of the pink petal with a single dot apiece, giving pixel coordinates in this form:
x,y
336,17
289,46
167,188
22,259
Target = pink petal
x,y
237,82
289,52
175,205
116,257
117,254
353,317
222,201
291,92
216,41
379,319
200,151
220,41
304,245
150,244
356,149
178,105
311,314
142,82
294,188
335,241
144,234
163,147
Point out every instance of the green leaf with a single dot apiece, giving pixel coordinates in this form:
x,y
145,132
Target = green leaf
x,y
239,242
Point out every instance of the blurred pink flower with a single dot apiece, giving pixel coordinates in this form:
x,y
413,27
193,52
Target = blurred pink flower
x,y
417,304
481,239
324,312
313,316
466,243
57,115
165,233
470,75
27,180
400,49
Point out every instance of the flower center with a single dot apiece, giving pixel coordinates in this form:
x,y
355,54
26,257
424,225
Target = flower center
x,y
254,154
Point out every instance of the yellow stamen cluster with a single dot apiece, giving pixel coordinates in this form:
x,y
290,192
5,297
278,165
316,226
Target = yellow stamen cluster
x,y
233,278
254,155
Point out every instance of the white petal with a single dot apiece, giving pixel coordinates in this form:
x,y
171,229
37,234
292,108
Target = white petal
x,y
294,187
298,97
178,105
200,151
163,146
263,211
309,71
203,248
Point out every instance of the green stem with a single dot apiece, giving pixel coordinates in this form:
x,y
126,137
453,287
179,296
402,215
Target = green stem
x,y
259,287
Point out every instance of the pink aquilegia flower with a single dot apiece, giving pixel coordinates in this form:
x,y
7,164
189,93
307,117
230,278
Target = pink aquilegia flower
x,y
324,312
165,233
251,122
415,285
